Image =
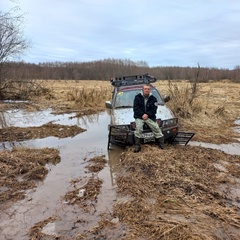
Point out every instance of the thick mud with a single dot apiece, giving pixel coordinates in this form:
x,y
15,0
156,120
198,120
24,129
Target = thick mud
x,y
79,197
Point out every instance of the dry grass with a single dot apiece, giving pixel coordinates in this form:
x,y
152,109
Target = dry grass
x,y
175,194
209,96
212,111
87,97
69,95
179,193
96,164
19,168
46,130
86,196
184,100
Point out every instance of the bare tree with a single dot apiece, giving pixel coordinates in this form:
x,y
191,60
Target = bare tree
x,y
12,41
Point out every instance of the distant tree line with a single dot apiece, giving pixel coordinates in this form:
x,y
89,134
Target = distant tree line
x,y
107,68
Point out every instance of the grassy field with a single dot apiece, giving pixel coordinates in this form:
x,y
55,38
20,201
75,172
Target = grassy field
x,y
178,193
210,109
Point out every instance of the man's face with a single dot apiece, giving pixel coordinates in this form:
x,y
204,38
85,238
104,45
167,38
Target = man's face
x,y
146,90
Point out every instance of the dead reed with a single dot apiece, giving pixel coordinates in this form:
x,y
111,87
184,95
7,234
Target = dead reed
x,y
20,168
89,97
209,109
175,194
184,100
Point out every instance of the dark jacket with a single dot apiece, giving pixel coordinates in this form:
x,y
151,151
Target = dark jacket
x,y
139,107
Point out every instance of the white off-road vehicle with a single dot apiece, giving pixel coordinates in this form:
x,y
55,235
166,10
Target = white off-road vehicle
x,y
122,125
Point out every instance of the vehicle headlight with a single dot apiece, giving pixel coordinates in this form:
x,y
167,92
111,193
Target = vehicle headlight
x,y
170,122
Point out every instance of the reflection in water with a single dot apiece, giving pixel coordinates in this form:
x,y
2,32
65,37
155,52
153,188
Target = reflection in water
x,y
113,162
9,145
88,120
2,120
21,118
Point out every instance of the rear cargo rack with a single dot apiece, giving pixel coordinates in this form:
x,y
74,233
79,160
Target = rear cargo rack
x,y
132,80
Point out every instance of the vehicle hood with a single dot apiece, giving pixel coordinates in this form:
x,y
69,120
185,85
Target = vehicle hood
x,y
124,116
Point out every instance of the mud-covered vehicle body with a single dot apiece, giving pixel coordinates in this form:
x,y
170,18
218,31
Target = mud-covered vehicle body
x,y
122,124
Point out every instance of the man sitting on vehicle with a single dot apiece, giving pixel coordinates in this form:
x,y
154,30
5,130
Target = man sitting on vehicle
x,y
145,108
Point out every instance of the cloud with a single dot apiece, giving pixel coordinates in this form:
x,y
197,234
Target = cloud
x,y
179,33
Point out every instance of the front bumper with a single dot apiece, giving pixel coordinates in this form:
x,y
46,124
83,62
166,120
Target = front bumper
x,y
124,134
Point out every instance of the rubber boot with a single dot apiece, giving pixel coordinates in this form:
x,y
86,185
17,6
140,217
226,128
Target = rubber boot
x,y
137,146
160,142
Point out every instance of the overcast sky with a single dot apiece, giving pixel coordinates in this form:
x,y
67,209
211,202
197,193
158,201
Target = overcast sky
x,y
160,32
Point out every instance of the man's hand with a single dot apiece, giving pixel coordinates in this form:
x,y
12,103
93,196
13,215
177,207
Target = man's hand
x,y
144,116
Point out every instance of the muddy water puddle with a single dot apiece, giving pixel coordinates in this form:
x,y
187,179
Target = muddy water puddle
x,y
232,192
232,148
47,201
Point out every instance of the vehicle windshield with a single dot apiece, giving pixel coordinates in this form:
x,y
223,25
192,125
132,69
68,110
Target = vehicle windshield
x,y
125,98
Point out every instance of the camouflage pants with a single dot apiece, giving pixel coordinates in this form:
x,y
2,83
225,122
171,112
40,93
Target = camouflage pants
x,y
152,125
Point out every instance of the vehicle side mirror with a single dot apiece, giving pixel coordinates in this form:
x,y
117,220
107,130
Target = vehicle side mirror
x,y
108,104
166,98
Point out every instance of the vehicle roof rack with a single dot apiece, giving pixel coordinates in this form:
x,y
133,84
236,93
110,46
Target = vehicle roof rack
x,y
132,80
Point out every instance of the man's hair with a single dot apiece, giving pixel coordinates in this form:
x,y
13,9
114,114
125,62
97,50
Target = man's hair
x,y
146,84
